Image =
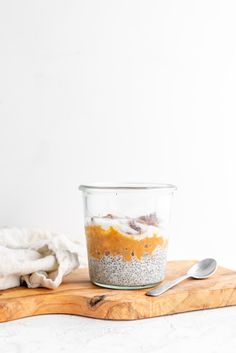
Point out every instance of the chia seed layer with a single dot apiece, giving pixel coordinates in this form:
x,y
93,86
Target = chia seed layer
x,y
114,271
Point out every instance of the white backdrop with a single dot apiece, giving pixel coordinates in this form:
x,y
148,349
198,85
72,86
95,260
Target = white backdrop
x,y
120,90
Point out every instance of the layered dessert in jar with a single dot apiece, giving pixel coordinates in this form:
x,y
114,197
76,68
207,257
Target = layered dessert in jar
x,y
126,252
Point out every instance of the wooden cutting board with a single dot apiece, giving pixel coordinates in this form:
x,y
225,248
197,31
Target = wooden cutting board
x,y
78,296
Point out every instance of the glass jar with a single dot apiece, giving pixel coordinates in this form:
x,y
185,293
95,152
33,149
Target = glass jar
x,y
127,233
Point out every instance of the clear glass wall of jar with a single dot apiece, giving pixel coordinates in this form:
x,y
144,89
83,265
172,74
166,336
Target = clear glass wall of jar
x,y
127,232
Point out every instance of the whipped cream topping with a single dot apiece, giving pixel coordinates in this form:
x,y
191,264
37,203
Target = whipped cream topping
x,y
140,227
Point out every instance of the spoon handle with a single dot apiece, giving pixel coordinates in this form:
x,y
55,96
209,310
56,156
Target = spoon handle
x,y
159,290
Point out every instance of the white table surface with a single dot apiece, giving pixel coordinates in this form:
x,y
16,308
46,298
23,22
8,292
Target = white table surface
x,y
210,331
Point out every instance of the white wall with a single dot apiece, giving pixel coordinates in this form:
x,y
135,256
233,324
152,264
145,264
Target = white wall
x,y
120,90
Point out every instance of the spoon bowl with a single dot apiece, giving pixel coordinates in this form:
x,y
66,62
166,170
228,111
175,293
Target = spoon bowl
x,y
203,269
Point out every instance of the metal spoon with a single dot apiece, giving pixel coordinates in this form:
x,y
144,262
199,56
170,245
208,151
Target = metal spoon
x,y
202,269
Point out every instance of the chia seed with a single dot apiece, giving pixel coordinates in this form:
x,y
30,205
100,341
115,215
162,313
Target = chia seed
x,y
113,271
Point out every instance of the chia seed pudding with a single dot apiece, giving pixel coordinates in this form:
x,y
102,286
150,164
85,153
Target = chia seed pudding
x,y
126,253
113,271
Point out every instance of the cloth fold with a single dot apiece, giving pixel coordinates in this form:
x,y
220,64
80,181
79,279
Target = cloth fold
x,y
38,258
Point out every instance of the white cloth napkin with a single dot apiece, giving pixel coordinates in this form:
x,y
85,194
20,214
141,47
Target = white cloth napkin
x,y
39,258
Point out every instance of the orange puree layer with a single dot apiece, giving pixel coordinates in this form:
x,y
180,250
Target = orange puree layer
x,y
110,241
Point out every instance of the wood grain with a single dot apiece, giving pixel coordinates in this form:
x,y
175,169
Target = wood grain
x,y
80,297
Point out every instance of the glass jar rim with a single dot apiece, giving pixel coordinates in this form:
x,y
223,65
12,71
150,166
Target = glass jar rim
x,y
127,186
